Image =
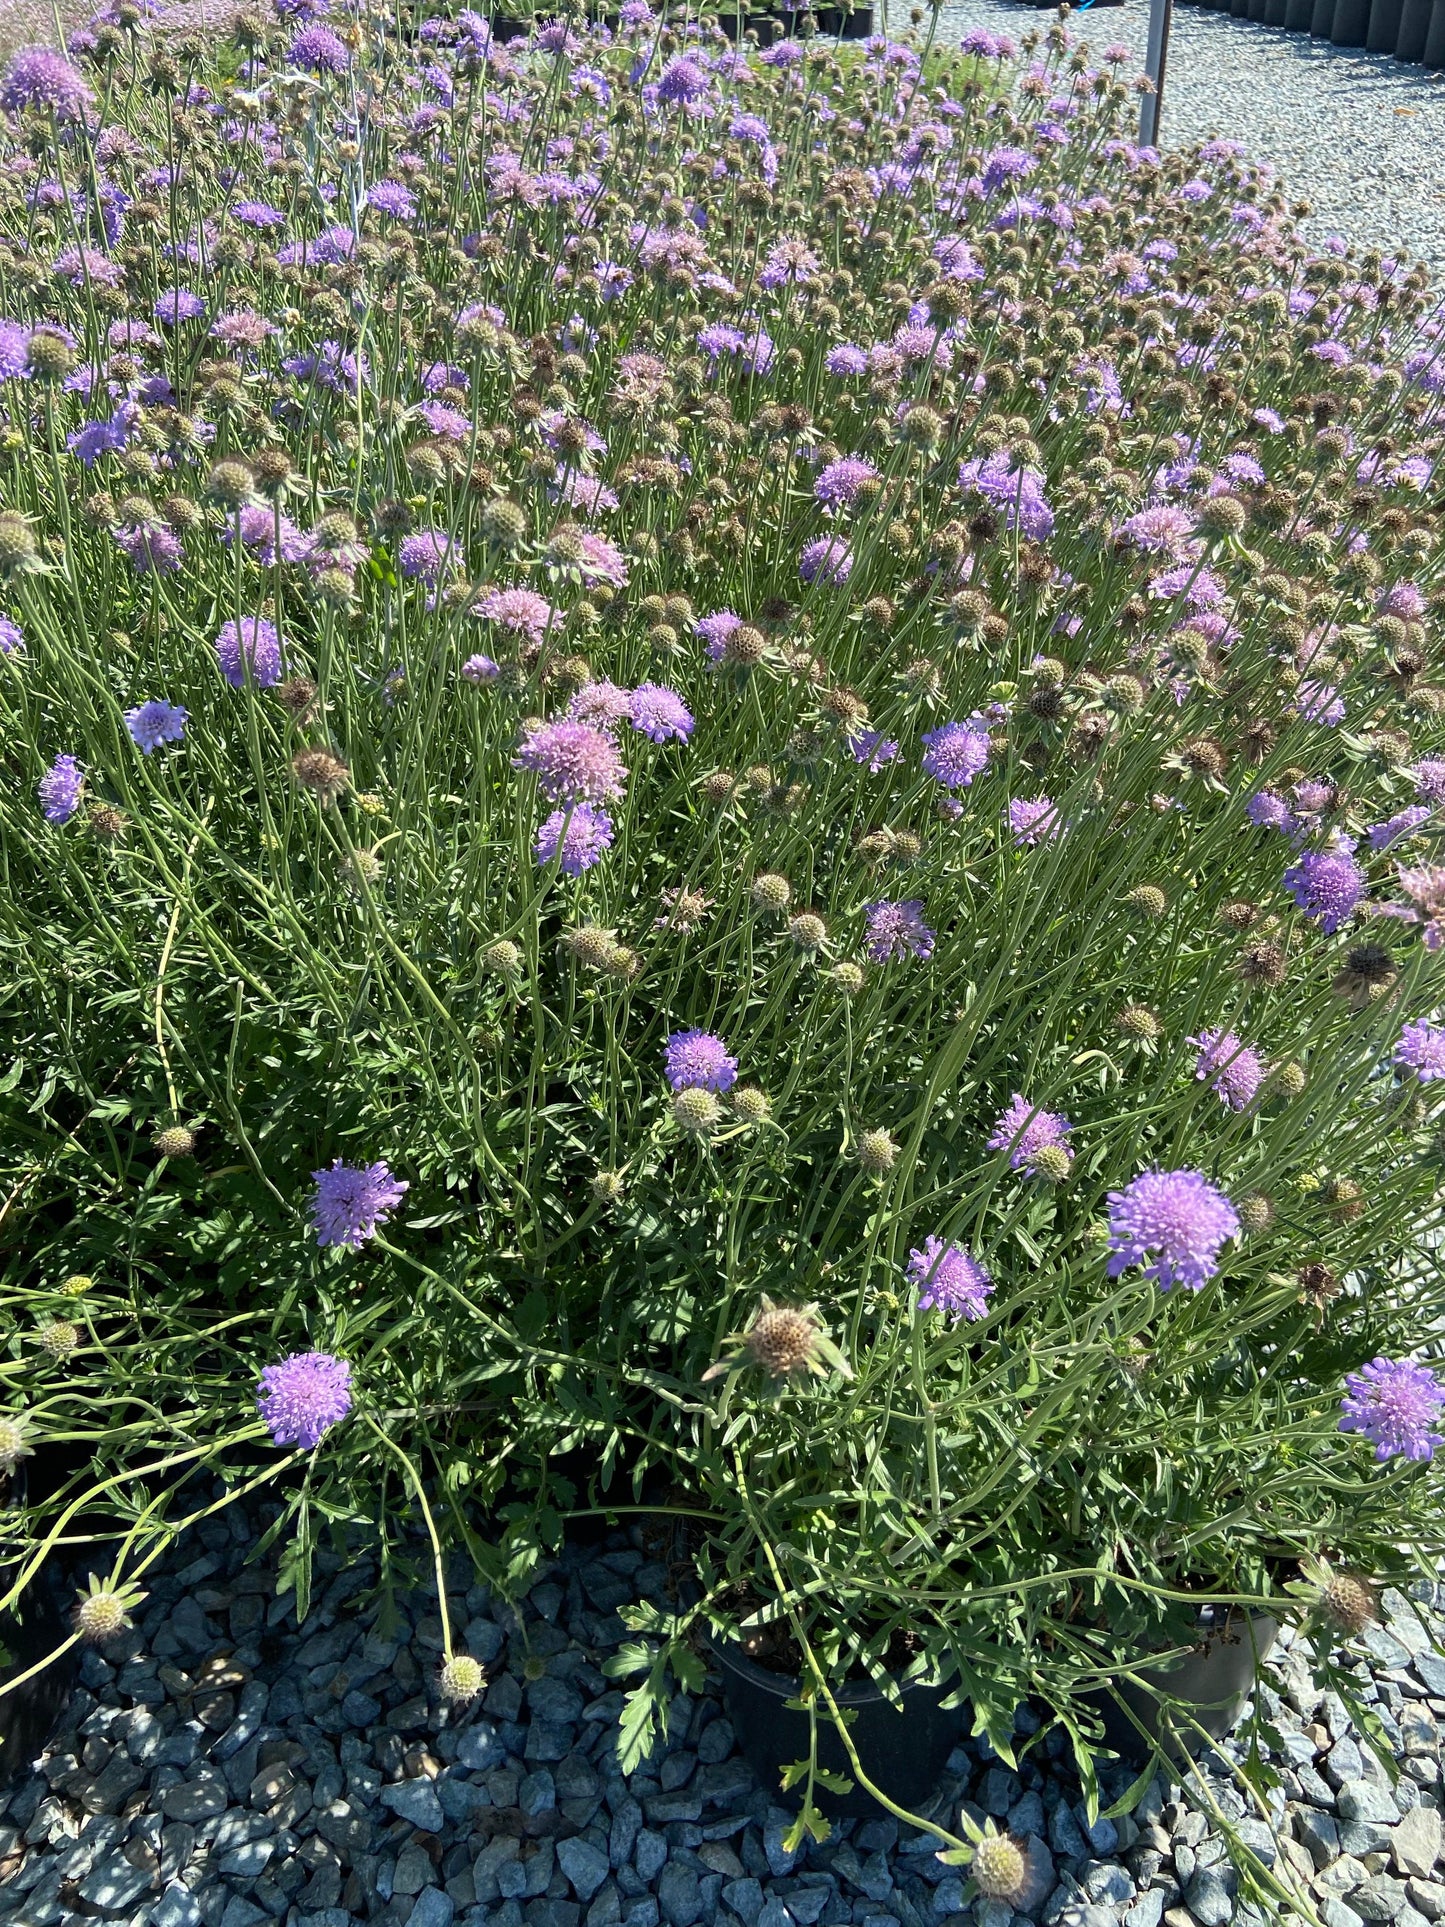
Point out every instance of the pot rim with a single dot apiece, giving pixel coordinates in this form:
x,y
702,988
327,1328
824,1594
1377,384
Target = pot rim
x,y
786,1686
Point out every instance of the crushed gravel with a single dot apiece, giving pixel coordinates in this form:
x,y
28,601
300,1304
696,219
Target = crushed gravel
x,y
1360,136
220,1767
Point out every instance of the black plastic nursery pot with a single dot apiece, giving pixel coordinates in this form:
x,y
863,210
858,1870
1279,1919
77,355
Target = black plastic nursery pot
x,y
1383,34
1212,1683
1298,14
1434,54
1351,23
904,1750
1414,30
1322,20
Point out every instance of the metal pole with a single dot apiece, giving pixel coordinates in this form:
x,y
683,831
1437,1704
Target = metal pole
x,y
1161,14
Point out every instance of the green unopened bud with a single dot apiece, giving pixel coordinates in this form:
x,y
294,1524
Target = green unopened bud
x,y
999,1869
461,1679
695,1111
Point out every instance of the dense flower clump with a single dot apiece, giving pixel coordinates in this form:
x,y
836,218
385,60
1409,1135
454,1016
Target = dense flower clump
x,y
732,761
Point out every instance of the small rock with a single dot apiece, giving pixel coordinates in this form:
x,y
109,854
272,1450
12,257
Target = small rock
x,y
432,1908
1415,1843
1210,1895
649,1855
417,1803
1334,1913
1359,1800
1380,1898
176,1908
678,1896
1318,1833
200,1799
115,1884
1146,1910
1427,1897
585,1866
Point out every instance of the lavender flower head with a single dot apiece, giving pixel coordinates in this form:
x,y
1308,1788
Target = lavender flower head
x,y
12,642
1402,824
896,930
695,1060
155,723
60,790
1233,1071
317,50
1033,819
873,748
826,559
303,1397
252,642
352,1200
1267,811
1319,702
949,1279
573,762
1023,1131
41,77
955,754
659,713
1421,1049
840,481
1327,885
1174,1223
1394,1402
580,836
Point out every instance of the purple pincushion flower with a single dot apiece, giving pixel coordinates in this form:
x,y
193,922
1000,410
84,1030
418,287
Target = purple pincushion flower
x,y
426,554
317,50
579,836
840,481
956,753
352,1200
1327,885
684,81
1421,1049
303,1397
1402,824
695,1060
826,559
1267,811
1394,1402
717,630
1319,702
41,77
480,669
155,723
659,713
1428,776
872,748
1023,1131
1174,1223
949,1279
1233,1071
60,789
250,643
896,930
12,642
1033,819
573,762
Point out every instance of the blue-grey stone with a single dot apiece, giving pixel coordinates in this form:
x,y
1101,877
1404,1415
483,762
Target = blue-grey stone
x,y
1103,1835
999,1791
728,1780
478,1748
875,1877
716,1742
606,1909
806,1904
649,1854
115,1884
540,1869
1025,1816
248,1861
1209,1896
1430,1667
677,1769
1360,1837
774,1913
537,1793
948,1897
1065,1836
416,1802
606,1590
781,1859
1334,1913
433,1908
643,1912
678,1897
626,1824
240,1912
1091,1915
1318,1834
663,1807
745,1897
461,1800
555,1699
483,1639
1380,1898
585,1866
1147,1909
176,1908
251,1709
1315,1788
360,1709
550,1740
1107,1881
1360,1800
504,1698
511,1878
1343,1762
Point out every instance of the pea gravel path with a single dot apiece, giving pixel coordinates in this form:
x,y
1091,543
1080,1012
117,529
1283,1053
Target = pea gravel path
x,y
1358,135
219,1767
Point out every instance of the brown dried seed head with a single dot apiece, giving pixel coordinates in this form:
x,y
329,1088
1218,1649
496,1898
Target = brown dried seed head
x,y
322,772
782,1341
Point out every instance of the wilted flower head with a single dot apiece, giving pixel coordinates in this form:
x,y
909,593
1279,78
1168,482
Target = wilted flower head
x,y
303,1397
352,1200
786,1342
1394,1402
1174,1223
